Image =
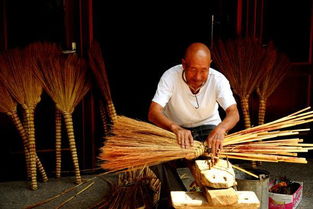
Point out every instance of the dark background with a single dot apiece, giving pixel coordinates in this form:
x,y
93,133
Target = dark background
x,y
139,42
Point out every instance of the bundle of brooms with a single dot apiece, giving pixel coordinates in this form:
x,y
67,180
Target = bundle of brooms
x,y
136,144
244,61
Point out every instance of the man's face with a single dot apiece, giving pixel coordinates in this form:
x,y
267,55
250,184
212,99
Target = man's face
x,y
196,71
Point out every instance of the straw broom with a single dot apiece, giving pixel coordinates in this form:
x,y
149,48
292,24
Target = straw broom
x,y
271,81
137,144
66,82
17,76
41,51
243,61
9,106
97,66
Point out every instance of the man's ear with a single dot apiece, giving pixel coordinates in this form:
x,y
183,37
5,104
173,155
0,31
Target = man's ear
x,y
183,62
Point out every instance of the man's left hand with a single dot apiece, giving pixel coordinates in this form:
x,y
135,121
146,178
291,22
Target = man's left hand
x,y
215,140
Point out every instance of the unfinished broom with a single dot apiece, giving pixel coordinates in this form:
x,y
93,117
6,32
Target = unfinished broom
x,y
244,62
16,74
271,80
137,144
66,82
9,107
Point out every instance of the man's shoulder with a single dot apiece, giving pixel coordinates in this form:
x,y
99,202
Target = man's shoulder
x,y
173,71
216,74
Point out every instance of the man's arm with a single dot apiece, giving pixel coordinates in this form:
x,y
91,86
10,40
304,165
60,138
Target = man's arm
x,y
216,137
156,116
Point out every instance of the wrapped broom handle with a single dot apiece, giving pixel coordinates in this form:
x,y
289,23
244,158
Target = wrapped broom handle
x,y
198,149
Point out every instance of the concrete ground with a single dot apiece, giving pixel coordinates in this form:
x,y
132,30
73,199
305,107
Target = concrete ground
x,y
15,194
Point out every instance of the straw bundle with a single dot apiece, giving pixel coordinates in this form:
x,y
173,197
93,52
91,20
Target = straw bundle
x,y
9,106
136,189
17,75
66,82
137,144
41,52
243,61
271,80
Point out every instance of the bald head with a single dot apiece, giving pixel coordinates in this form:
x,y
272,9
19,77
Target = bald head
x,y
196,65
197,50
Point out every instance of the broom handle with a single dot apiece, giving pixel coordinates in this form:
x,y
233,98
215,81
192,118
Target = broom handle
x,y
32,146
19,126
104,118
245,111
70,132
24,124
262,110
112,111
58,142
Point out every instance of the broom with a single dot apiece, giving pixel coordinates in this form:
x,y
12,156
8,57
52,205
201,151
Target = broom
x,y
271,81
40,52
244,62
17,76
97,66
9,107
137,144
66,82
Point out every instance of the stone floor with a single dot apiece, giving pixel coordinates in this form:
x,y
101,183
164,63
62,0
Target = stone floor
x,y
15,194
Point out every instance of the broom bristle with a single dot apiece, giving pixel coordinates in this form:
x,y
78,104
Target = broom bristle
x,y
65,80
137,144
17,75
7,104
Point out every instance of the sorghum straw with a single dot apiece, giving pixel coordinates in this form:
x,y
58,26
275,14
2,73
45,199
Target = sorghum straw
x,y
17,75
244,62
66,81
137,144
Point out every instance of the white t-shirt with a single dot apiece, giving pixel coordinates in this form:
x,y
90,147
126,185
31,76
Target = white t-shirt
x,y
180,104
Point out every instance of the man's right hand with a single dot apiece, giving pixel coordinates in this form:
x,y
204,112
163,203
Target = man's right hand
x,y
183,136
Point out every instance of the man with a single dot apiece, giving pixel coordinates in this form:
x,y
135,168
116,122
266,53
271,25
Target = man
x,y
187,98
186,103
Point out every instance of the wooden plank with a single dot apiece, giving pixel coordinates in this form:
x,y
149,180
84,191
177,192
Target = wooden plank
x,y
221,175
219,197
195,200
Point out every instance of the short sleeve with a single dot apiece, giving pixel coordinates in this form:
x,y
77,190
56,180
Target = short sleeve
x,y
164,90
225,96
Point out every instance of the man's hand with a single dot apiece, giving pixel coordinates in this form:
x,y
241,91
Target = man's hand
x,y
183,136
215,140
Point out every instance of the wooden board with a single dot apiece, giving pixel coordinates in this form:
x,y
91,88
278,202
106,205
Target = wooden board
x,y
221,175
196,200
220,197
